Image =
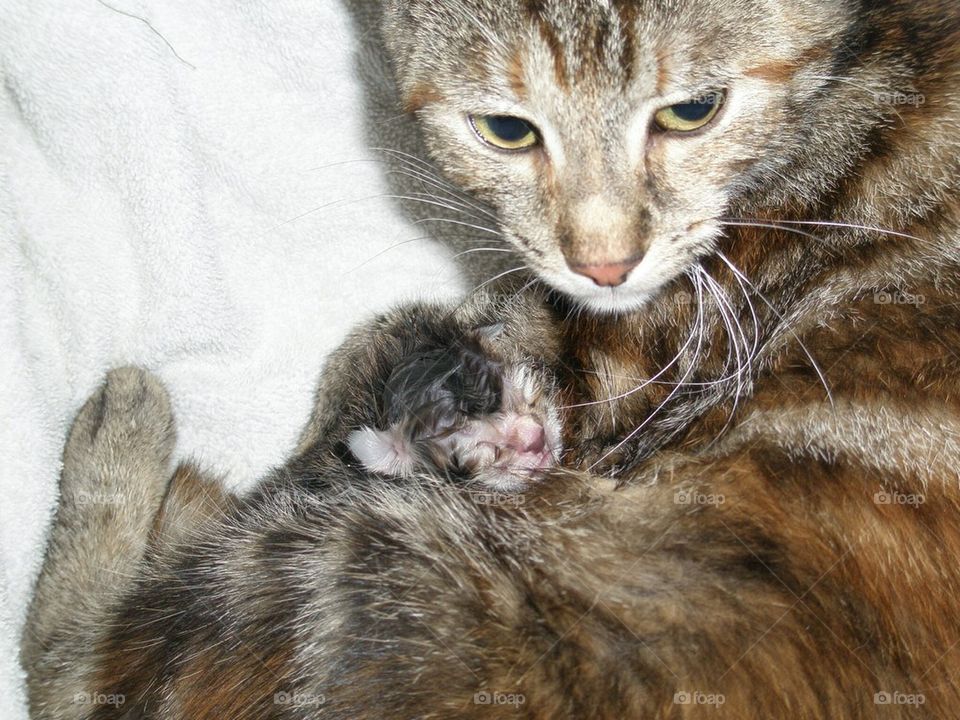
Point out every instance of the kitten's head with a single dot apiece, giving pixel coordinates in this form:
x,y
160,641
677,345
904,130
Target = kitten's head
x,y
467,410
611,136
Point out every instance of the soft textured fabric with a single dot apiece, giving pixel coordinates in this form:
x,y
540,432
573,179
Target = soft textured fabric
x,y
182,187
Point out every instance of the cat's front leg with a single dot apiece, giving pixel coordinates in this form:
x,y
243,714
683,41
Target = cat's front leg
x,y
115,474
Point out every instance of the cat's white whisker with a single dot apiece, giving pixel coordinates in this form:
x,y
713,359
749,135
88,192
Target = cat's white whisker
x,y
733,341
437,203
461,223
744,356
741,335
751,354
806,350
733,355
419,238
483,249
770,226
643,384
852,226
428,173
451,199
696,355
341,163
319,208
523,289
373,257
439,192
753,314
345,202
452,203
482,285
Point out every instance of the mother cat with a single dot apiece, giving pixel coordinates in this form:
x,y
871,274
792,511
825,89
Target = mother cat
x,y
750,212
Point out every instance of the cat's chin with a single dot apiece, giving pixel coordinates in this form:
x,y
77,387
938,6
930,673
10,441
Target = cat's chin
x,y
613,302
601,300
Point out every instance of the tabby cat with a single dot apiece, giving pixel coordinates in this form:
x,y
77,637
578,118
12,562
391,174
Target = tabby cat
x,y
744,217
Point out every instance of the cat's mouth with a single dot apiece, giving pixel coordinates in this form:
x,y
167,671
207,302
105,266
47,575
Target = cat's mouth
x,y
611,301
620,288
635,292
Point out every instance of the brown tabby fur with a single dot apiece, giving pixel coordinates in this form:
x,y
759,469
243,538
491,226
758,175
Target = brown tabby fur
x,y
721,540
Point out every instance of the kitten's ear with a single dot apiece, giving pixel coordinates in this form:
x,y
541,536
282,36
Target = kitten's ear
x,y
382,451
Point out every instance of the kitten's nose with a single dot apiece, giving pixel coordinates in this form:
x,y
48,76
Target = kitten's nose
x,y
527,436
608,274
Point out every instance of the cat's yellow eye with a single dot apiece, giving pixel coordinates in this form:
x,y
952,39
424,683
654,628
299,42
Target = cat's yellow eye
x,y
505,131
691,115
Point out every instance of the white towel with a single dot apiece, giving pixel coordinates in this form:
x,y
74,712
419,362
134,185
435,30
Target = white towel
x,y
179,189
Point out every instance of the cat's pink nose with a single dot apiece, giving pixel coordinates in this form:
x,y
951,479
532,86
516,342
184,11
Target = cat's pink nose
x,y
608,274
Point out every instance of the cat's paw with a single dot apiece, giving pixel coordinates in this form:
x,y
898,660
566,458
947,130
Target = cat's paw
x,y
120,445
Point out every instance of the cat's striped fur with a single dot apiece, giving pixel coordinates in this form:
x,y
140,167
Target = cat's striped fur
x,y
762,518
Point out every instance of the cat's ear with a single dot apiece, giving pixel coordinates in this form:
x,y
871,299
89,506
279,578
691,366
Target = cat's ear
x,y
382,451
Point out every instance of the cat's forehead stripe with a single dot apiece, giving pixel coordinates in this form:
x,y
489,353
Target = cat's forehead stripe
x,y
515,72
550,38
602,41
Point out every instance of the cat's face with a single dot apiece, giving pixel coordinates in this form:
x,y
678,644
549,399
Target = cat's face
x,y
612,136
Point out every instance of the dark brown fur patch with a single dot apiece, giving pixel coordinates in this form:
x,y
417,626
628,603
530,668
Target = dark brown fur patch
x,y
549,35
420,97
515,75
627,14
782,71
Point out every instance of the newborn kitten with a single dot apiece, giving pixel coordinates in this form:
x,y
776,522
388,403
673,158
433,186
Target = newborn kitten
x,y
462,412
